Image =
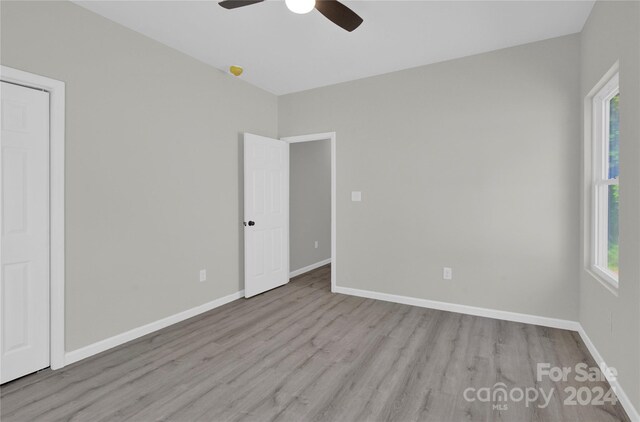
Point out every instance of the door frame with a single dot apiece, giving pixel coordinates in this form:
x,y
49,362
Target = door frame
x,y
56,90
327,136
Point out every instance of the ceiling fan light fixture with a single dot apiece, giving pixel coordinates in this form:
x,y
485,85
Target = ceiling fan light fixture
x,y
333,10
300,6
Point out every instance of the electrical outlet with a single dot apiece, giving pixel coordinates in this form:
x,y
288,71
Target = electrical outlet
x,y
447,273
315,244
203,275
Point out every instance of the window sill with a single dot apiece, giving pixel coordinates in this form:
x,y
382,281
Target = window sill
x,y
605,279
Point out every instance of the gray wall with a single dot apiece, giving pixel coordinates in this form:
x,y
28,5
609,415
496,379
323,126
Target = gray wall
x,y
472,164
152,166
310,203
613,33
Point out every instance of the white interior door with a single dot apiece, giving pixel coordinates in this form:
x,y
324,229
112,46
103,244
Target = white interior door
x,y
24,305
266,214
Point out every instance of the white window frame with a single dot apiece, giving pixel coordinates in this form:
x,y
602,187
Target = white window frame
x,y
600,180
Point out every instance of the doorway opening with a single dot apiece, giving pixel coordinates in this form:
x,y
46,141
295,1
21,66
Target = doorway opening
x,y
312,203
266,212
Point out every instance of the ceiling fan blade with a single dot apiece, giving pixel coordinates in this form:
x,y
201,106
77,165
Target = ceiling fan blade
x,y
234,4
339,14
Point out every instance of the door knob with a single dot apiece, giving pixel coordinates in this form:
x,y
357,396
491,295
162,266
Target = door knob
x,y
252,223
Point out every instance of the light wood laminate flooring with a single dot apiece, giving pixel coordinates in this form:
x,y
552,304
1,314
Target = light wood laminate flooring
x,y
301,353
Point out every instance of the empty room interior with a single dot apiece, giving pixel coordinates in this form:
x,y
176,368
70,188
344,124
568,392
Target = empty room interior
x,y
320,210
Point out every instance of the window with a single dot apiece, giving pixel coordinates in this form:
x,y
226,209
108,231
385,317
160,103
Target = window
x,y
606,171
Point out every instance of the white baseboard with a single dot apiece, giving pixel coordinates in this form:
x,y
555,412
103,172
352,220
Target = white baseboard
x,y
507,316
309,268
463,309
108,343
615,385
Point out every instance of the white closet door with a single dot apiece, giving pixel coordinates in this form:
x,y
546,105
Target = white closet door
x,y
24,305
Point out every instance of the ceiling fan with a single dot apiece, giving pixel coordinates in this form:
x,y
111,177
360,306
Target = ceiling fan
x,y
333,10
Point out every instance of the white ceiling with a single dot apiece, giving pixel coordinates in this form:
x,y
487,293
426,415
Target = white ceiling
x,y
282,52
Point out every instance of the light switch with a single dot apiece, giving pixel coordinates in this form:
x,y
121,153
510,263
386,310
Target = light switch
x,y
356,196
